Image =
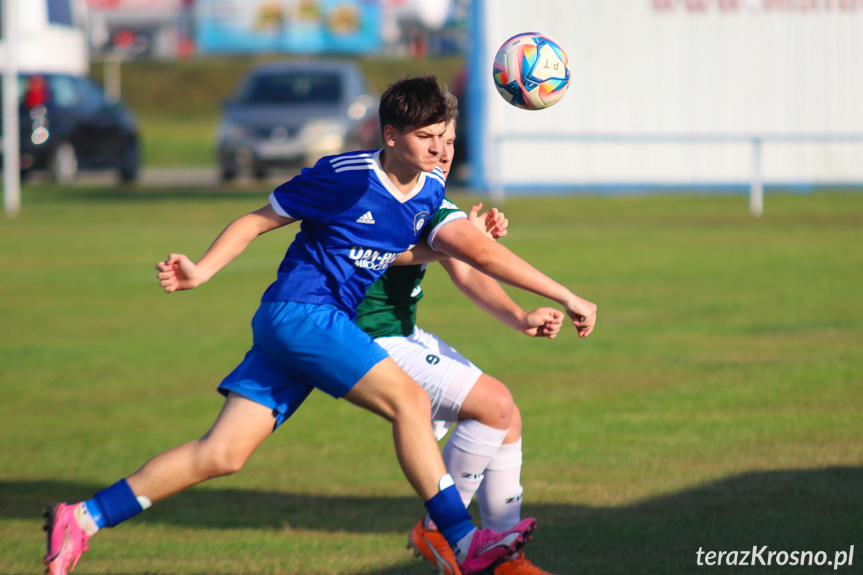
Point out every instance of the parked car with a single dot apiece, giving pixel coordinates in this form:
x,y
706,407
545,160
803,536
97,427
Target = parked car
x,y
293,113
67,124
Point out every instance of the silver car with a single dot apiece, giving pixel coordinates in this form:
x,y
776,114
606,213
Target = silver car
x,y
292,113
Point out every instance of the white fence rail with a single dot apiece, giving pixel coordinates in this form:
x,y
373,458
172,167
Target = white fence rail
x,y
755,142
675,93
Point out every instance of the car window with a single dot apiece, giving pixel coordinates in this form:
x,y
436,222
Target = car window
x,y
65,92
94,98
292,88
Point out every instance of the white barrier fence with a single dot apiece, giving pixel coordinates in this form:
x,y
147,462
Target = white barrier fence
x,y
675,93
755,142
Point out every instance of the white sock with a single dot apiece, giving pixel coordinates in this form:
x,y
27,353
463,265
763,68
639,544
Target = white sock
x,y
85,521
428,523
144,502
499,496
468,453
462,546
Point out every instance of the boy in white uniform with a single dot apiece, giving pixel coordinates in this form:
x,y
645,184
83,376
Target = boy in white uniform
x,y
484,454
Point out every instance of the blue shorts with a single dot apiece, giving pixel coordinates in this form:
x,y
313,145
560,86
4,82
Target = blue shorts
x,y
298,347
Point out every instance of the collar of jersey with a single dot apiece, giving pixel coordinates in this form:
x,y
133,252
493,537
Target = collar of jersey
x,y
390,187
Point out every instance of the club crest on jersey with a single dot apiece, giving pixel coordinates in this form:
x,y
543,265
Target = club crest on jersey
x,y
419,221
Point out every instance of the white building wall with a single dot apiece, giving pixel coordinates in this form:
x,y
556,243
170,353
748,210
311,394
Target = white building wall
x,y
46,47
672,91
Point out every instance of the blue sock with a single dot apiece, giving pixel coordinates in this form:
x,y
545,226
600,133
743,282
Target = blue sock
x,y
447,510
113,505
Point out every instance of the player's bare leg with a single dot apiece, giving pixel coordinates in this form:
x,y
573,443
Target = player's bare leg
x,y
485,419
239,429
389,392
489,402
488,409
486,464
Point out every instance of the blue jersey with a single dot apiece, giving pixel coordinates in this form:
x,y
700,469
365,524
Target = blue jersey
x,y
354,224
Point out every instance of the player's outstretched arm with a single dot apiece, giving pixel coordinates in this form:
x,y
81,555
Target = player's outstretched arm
x,y
492,223
490,297
178,272
487,293
419,254
462,240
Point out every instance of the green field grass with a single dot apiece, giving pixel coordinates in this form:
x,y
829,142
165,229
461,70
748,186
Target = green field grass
x,y
716,406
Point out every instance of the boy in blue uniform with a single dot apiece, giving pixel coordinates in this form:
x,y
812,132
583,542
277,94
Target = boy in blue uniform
x,y
358,212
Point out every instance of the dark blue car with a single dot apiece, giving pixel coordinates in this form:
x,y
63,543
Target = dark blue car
x,y
67,124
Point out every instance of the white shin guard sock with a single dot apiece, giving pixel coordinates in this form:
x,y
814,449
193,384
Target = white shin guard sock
x,y
468,453
85,520
499,496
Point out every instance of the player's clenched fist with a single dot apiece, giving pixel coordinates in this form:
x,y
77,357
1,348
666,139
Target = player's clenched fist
x,y
177,273
582,313
543,322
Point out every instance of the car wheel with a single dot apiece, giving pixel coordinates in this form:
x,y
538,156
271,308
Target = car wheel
x,y
63,165
129,163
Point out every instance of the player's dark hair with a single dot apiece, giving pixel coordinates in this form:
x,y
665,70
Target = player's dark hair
x,y
416,102
452,103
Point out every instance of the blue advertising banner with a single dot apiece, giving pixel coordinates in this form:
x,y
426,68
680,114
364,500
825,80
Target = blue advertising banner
x,y
293,26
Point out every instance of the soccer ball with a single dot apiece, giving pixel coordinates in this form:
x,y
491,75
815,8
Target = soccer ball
x,y
531,71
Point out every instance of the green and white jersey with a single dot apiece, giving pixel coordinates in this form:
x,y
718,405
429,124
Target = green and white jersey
x,y
390,305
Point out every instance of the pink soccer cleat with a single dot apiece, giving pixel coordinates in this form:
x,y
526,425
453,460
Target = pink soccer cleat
x,y
488,548
66,540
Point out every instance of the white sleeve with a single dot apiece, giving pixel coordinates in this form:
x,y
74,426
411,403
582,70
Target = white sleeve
x,y
451,217
279,209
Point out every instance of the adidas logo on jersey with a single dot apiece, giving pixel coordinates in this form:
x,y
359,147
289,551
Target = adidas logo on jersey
x,y
366,218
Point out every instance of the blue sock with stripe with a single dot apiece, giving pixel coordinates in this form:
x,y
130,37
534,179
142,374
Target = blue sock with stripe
x,y
113,505
448,512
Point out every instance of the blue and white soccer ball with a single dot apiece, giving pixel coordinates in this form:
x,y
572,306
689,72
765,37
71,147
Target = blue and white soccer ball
x,y
531,71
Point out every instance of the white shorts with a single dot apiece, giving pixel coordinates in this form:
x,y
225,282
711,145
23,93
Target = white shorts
x,y
443,372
